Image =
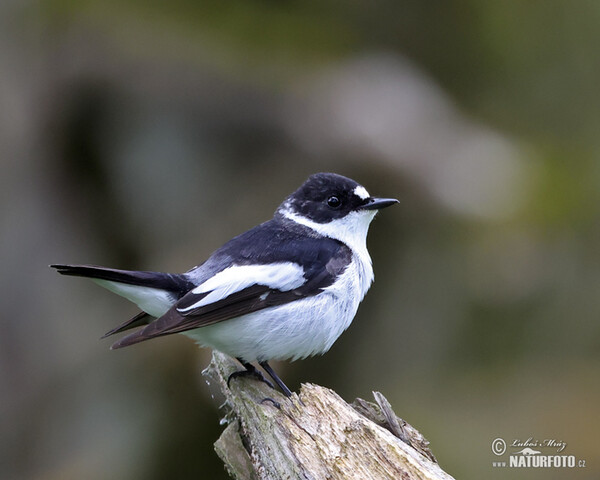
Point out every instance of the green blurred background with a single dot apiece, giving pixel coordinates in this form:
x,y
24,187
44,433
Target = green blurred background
x,y
143,134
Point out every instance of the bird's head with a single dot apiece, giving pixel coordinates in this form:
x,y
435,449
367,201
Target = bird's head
x,y
333,205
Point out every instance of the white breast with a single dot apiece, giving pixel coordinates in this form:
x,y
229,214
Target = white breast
x,y
295,330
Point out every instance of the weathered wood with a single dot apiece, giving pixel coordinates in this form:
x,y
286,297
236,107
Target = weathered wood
x,y
314,434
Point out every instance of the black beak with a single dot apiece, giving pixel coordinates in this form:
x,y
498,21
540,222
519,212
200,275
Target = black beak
x,y
378,203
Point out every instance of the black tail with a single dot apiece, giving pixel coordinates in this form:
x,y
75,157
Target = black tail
x,y
140,319
176,283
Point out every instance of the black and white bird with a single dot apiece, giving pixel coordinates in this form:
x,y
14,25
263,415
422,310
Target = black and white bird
x,y
286,289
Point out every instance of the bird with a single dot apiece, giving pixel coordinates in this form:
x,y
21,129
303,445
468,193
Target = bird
x,y
283,290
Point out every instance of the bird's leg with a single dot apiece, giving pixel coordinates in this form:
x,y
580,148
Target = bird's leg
x,y
287,392
250,370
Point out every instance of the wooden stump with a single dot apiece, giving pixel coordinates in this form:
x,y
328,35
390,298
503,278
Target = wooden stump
x,y
314,434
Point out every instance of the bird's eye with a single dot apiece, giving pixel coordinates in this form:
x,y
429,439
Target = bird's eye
x,y
334,202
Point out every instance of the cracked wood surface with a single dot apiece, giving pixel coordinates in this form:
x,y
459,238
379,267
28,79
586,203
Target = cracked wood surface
x,y
314,434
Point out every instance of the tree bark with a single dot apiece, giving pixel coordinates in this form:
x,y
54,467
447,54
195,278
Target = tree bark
x,y
314,434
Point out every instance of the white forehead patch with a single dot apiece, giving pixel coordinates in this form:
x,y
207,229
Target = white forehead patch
x,y
361,192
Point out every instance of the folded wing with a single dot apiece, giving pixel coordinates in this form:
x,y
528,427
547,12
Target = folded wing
x,y
243,289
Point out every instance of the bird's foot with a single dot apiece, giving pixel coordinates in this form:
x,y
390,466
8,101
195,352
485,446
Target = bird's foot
x,y
249,371
275,403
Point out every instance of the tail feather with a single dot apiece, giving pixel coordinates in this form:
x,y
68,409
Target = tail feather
x,y
157,328
131,339
153,292
140,319
175,283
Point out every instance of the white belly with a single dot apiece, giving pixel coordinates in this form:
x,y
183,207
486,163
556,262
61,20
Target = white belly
x,y
295,330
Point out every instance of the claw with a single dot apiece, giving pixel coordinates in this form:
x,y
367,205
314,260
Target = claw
x,y
275,403
245,373
250,370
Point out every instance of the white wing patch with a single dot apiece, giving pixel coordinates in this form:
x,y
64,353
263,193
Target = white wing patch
x,y
282,276
361,192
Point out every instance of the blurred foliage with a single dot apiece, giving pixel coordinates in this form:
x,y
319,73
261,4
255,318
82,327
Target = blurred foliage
x,y
506,60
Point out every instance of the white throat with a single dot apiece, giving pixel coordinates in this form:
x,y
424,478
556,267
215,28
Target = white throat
x,y
352,231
